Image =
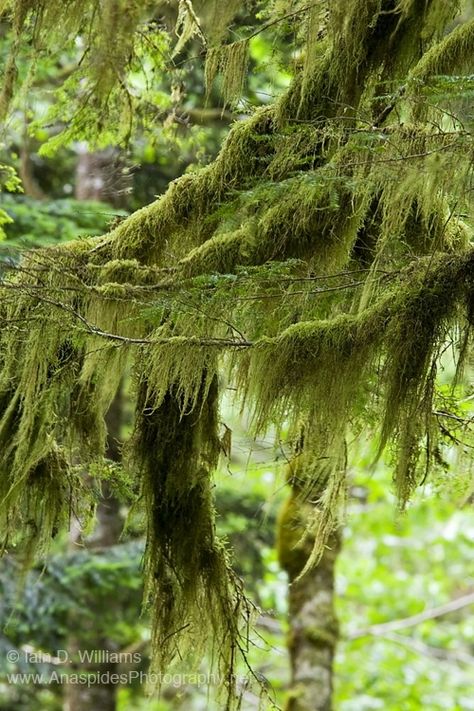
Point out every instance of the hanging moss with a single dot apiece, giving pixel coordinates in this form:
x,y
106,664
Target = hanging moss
x,y
197,601
453,53
52,402
180,365
230,61
330,362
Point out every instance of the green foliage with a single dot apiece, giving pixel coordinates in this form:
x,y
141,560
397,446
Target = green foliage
x,y
34,223
96,595
9,181
96,101
64,588
392,568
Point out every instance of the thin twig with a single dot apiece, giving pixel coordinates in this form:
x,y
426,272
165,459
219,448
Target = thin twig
x,y
444,655
382,629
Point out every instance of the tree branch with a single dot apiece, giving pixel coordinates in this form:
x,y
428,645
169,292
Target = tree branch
x,y
385,628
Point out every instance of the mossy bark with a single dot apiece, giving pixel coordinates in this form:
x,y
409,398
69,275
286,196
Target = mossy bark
x,y
313,626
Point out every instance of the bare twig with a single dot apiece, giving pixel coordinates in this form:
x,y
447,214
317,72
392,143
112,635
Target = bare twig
x,y
445,655
381,630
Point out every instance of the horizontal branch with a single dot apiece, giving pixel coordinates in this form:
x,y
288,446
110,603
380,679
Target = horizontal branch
x,y
381,630
445,655
446,269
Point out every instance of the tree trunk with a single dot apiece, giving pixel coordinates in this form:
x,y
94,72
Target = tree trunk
x,y
313,624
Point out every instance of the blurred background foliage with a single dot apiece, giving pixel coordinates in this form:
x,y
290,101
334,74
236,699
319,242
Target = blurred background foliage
x,y
391,567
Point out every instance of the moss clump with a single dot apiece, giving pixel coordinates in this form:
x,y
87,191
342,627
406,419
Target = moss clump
x,y
454,52
193,196
194,594
324,368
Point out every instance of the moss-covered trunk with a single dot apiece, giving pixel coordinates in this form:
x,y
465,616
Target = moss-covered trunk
x,y
313,626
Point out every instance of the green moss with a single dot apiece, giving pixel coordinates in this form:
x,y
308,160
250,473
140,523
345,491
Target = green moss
x,y
323,637
291,529
230,61
189,582
453,53
194,195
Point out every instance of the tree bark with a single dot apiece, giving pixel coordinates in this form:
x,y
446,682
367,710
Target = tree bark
x,y
313,623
